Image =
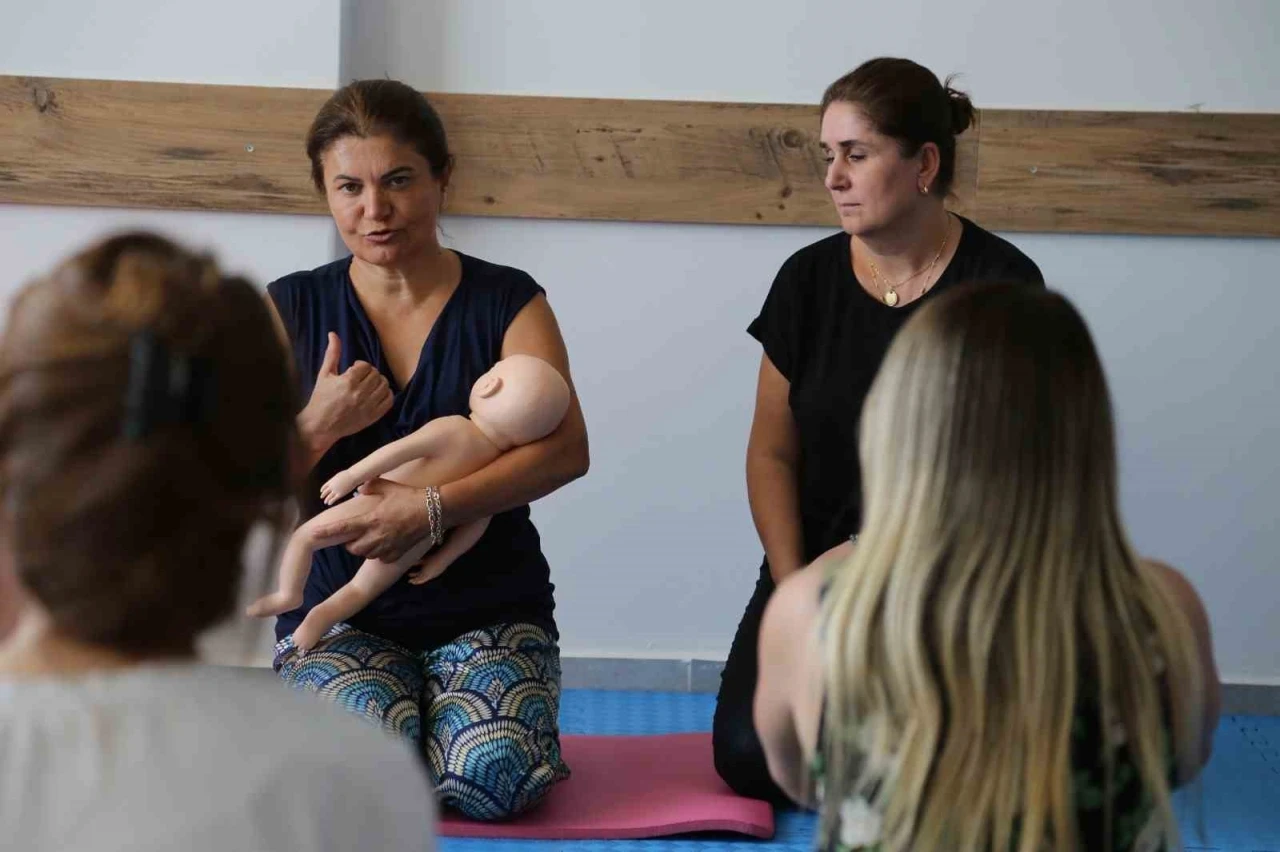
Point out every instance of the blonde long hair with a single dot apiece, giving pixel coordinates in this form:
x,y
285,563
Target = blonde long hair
x,y
991,573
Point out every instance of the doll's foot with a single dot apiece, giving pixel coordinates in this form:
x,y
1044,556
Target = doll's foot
x,y
307,635
275,603
427,571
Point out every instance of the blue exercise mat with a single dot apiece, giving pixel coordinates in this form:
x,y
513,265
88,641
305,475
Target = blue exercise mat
x,y
1239,792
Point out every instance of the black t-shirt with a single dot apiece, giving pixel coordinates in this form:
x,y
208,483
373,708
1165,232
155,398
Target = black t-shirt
x,y
827,336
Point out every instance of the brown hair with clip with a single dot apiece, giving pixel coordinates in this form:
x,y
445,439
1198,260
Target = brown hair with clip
x,y
131,538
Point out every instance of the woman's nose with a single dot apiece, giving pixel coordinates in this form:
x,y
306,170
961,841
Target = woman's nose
x,y
836,178
376,204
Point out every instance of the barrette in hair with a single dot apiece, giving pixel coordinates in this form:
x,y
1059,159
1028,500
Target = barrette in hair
x,y
164,389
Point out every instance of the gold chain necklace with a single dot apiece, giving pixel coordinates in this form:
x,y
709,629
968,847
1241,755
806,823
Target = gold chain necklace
x,y
890,291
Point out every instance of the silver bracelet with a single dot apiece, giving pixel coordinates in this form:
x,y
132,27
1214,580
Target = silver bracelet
x,y
435,515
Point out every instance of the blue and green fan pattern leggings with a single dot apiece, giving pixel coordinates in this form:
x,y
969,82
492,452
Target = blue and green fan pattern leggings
x,y
483,709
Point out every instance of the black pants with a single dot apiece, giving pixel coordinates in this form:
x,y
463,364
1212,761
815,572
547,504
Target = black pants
x,y
738,754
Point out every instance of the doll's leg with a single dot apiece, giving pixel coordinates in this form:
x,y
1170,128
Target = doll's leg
x,y
460,540
296,563
371,579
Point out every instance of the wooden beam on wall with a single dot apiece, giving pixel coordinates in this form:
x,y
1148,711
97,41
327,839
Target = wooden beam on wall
x,y
1130,172
164,145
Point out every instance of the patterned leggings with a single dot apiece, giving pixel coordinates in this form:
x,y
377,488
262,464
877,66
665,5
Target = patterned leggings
x,y
483,709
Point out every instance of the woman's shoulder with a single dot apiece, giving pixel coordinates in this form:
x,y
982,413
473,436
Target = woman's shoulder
x,y
495,292
808,273
249,707
331,275
486,273
214,740
990,256
1174,582
1182,593
817,256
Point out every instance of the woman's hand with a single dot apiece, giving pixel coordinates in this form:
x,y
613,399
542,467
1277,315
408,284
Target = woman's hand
x,y
341,404
395,519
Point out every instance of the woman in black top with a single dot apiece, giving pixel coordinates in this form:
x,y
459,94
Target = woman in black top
x,y
889,135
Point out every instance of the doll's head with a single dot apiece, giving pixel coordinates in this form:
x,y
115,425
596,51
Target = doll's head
x,y
146,416
520,400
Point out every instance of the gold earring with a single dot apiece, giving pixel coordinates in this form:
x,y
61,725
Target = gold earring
x,y
924,189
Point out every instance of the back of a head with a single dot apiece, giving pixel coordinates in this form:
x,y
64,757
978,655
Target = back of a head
x,y
533,400
145,423
991,578
995,394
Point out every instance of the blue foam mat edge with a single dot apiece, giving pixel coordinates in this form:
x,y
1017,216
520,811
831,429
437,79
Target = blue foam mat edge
x,y
1237,798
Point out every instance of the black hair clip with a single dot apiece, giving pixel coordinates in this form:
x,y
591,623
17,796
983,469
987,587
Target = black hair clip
x,y
165,389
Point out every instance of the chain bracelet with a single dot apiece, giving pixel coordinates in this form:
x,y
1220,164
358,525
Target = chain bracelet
x,y
435,515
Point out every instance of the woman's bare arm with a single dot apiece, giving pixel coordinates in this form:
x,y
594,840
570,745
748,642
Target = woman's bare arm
x,y
773,453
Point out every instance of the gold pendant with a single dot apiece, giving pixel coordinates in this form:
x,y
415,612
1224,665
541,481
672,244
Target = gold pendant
x,y
890,298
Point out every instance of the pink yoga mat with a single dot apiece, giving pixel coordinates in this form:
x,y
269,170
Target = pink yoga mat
x,y
627,788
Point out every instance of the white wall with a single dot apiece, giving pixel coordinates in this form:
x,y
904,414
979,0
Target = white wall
x,y
1134,54
232,42
654,553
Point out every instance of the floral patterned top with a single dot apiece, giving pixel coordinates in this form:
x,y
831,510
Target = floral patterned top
x,y
1135,827
1134,824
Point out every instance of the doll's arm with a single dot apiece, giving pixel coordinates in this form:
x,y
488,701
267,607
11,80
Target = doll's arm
x,y
295,565
371,579
431,440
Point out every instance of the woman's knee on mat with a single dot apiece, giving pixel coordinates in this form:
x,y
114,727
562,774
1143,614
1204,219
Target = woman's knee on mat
x,y
739,758
495,778
736,750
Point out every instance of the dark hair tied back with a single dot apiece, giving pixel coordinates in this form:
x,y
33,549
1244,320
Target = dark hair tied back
x,y
905,101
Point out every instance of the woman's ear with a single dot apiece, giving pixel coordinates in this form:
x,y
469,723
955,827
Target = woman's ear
x,y
930,163
446,175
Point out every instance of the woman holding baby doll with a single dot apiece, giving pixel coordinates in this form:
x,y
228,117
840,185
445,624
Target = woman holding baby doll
x,y
385,340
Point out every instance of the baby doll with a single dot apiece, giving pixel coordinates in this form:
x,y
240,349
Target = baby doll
x,y
522,399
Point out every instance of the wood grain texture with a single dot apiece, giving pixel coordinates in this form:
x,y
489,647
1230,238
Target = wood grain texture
x,y
128,144
158,145
635,160
1130,172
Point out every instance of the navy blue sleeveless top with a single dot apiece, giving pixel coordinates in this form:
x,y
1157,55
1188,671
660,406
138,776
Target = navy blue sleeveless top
x,y
505,577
